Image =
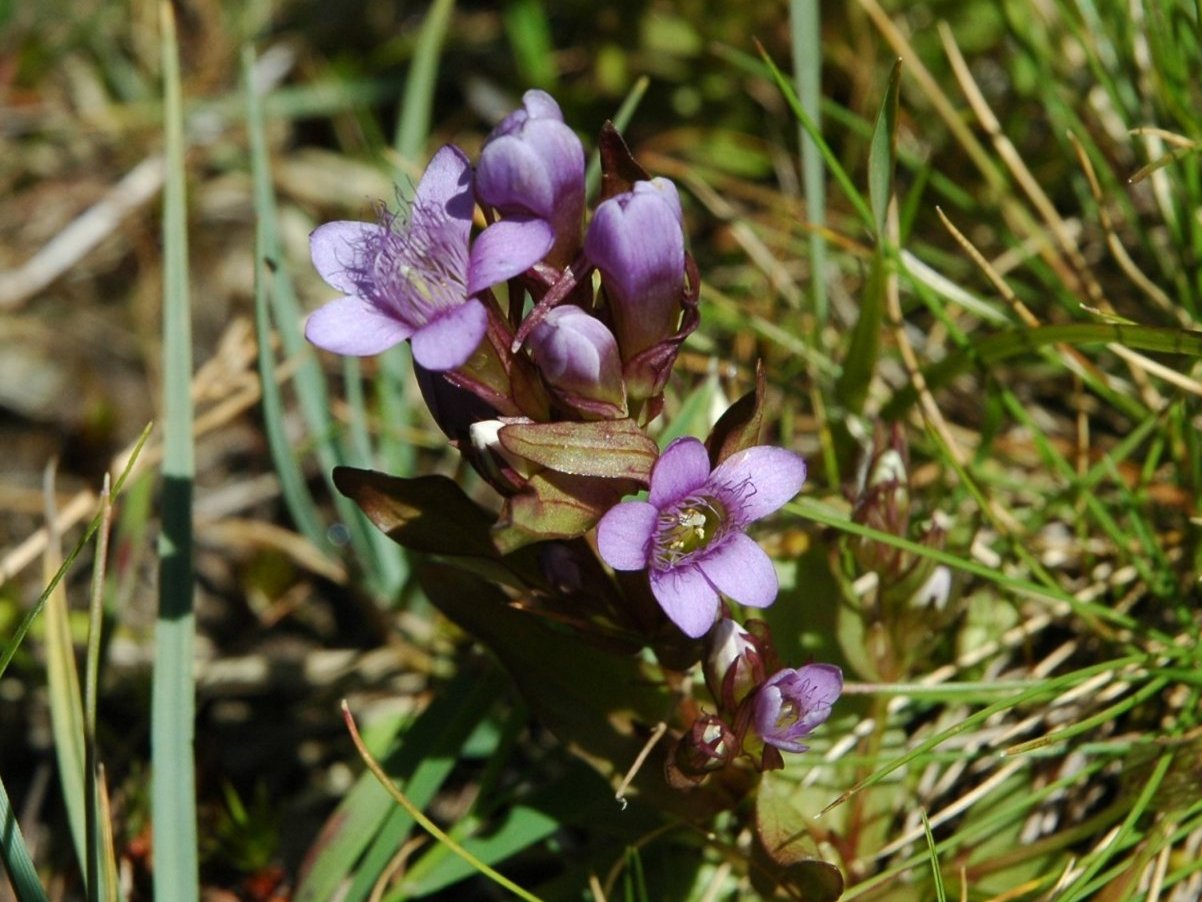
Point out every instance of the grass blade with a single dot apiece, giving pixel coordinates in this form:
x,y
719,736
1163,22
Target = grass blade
x,y
15,854
173,798
100,863
805,21
66,709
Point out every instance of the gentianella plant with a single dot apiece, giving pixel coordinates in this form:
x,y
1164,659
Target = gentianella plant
x,y
543,344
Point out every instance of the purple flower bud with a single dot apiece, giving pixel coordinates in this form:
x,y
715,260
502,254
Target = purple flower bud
x,y
689,533
733,666
578,357
531,171
792,703
637,241
405,278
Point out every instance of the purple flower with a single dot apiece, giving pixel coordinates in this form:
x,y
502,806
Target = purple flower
x,y
792,703
578,357
637,241
531,171
410,278
689,533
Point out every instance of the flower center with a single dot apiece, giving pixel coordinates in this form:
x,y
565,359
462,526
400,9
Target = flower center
x,y
416,268
688,528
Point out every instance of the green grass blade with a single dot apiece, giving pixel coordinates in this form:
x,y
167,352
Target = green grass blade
x,y
66,705
15,854
936,871
413,126
269,271
996,348
811,129
101,864
173,797
529,35
806,32
32,614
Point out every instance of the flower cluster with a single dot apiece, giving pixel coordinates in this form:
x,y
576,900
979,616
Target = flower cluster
x,y
543,336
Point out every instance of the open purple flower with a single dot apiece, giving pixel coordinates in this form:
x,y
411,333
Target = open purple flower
x,y
792,703
637,241
406,278
689,533
531,171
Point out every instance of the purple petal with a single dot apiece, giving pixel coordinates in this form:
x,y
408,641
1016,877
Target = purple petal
x,y
334,247
514,174
352,326
687,598
507,249
683,467
624,535
446,184
541,105
740,568
823,685
448,340
776,474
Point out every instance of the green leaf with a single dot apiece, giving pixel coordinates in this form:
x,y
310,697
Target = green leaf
x,y
785,855
740,426
424,513
611,449
600,703
882,152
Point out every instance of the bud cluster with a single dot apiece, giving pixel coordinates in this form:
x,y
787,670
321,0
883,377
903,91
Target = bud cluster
x,y
763,709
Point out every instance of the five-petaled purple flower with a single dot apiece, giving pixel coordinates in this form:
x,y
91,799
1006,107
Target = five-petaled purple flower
x,y
792,703
531,171
689,533
411,278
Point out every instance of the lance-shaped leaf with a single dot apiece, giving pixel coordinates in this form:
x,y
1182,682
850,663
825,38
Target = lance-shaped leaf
x,y
555,506
423,513
785,855
740,426
601,704
611,449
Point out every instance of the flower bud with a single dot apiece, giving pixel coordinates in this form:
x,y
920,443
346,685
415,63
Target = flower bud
x,y
636,239
579,360
707,747
531,171
733,667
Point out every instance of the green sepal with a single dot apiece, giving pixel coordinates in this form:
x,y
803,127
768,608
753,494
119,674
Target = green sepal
x,y
739,427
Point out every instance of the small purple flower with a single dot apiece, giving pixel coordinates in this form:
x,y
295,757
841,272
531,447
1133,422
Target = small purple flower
x,y
531,171
636,239
792,703
689,533
410,278
578,356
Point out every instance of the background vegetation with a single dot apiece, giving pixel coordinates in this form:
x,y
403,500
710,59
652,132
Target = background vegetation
x,y
1021,299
